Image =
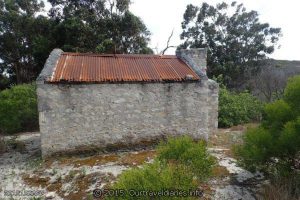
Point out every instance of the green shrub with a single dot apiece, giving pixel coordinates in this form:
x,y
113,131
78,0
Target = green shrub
x,y
184,150
292,94
257,148
155,177
289,139
181,164
276,114
18,109
274,145
238,108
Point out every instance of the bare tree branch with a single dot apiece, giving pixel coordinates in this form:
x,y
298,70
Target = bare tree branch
x,y
155,49
168,44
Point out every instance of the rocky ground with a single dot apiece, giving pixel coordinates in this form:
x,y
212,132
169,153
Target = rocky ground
x,y
23,173
238,183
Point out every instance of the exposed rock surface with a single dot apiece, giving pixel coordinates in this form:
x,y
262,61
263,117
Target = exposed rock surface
x,y
77,177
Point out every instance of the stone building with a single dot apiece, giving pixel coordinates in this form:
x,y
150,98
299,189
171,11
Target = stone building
x,y
95,101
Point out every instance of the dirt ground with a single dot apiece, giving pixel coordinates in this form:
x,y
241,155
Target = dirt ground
x,y
24,173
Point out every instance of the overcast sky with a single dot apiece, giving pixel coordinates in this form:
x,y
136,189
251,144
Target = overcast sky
x,y
161,16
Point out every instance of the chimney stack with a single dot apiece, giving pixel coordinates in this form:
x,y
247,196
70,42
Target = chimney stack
x,y
196,59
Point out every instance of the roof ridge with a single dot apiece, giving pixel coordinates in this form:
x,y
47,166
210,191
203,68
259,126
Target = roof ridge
x,y
119,55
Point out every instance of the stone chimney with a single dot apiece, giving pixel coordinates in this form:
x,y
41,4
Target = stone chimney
x,y
196,59
49,66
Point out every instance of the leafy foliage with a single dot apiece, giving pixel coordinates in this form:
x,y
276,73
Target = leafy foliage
x,y
27,37
18,109
258,145
4,82
181,164
292,94
155,177
238,108
97,25
235,41
275,145
276,115
184,151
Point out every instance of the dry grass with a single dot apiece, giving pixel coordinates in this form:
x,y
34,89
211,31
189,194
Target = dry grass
x,y
220,171
128,158
79,180
282,189
225,138
95,160
138,158
78,162
36,181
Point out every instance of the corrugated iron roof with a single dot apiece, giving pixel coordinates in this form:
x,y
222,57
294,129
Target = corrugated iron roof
x,y
97,68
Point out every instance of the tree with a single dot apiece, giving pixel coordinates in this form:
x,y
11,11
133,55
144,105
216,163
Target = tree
x,y
235,42
105,26
24,39
275,144
269,82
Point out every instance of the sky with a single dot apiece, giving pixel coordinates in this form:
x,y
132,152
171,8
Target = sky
x,y
162,16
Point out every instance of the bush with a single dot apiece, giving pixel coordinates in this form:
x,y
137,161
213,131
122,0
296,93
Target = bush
x,y
238,108
181,164
258,146
184,151
292,94
276,114
18,109
274,145
155,177
289,139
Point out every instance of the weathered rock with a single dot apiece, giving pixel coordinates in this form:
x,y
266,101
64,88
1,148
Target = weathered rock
x,y
50,195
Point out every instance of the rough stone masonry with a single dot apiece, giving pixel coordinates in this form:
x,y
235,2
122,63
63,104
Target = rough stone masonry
x,y
73,117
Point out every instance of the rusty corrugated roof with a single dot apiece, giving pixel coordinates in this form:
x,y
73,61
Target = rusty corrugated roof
x,y
97,68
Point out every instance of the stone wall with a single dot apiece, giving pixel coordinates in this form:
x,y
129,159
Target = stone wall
x,y
196,59
101,115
